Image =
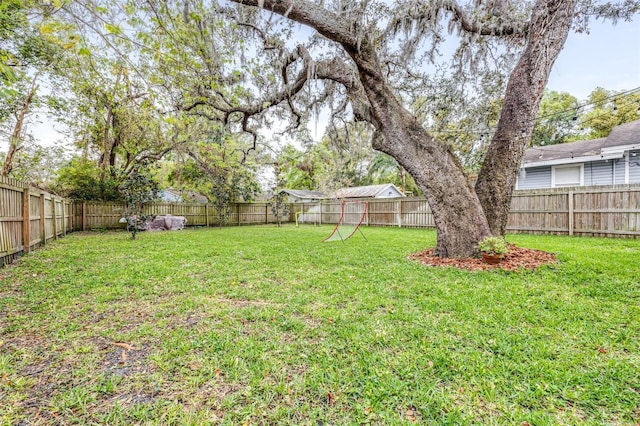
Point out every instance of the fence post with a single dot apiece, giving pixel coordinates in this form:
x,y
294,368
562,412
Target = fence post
x,y
84,216
570,203
26,220
64,219
266,214
398,204
43,221
55,220
367,213
320,204
206,215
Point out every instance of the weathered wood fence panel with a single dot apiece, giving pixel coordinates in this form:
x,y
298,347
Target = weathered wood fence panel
x,y
539,212
416,213
29,218
330,212
382,212
253,214
588,212
606,213
594,211
97,215
306,213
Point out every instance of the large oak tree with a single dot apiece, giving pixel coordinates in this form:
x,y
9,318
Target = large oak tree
x,y
463,214
237,65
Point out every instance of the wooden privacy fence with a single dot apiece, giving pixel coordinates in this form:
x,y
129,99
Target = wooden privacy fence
x,y
407,212
29,217
592,211
99,215
402,212
596,211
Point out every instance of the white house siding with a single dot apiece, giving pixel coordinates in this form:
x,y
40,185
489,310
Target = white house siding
x,y
619,166
634,169
535,178
390,193
595,173
598,173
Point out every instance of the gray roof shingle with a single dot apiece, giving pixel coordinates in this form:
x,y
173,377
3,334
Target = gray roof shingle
x,y
624,134
305,194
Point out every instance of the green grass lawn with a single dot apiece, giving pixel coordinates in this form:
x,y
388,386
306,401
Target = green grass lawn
x,y
266,325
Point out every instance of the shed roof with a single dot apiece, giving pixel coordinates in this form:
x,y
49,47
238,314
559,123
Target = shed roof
x,y
185,196
305,194
370,191
625,135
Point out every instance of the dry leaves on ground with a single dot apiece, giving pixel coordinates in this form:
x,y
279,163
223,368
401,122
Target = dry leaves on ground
x,y
517,258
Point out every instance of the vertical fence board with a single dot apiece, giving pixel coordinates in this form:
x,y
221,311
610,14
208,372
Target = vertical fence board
x,y
30,217
34,220
26,220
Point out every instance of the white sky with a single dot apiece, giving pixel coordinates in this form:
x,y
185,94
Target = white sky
x,y
607,57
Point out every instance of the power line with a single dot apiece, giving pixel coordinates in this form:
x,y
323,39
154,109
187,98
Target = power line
x,y
574,110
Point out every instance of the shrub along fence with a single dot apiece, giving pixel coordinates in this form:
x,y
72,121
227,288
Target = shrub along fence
x,y
30,217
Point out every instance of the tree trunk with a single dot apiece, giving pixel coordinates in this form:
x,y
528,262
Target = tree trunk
x,y
458,215
548,29
108,142
462,216
15,140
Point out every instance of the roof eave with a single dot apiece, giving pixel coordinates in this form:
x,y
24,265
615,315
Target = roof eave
x,y
620,148
574,160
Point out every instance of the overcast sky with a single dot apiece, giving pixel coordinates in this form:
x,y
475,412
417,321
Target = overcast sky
x,y
607,57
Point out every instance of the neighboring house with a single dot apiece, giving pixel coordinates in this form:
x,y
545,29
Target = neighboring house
x,y
387,190
613,160
175,196
303,195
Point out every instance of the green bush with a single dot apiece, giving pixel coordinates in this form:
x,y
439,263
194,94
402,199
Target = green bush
x,y
493,245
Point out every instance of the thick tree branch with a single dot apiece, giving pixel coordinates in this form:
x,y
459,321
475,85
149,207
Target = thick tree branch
x,y
481,27
329,24
334,69
15,140
491,23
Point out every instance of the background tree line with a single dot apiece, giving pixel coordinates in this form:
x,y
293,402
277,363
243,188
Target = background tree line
x,y
218,98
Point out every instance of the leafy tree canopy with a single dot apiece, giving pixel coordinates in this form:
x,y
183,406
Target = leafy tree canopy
x,y
158,76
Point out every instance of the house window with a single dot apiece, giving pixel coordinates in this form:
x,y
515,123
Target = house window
x,y
567,176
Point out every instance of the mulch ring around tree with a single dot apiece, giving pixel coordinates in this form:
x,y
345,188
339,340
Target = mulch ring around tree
x,y
518,258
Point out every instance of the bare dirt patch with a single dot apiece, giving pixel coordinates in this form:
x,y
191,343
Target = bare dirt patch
x,y
518,258
123,359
